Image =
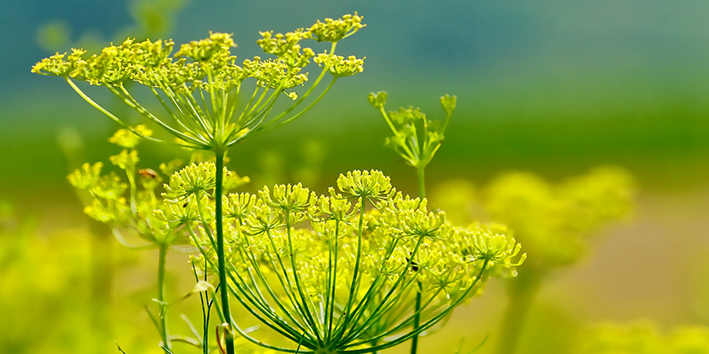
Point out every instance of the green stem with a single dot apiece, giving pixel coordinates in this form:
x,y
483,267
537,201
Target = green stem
x,y
311,105
417,319
347,314
522,291
426,325
410,156
128,99
106,112
420,174
333,281
161,296
445,123
220,249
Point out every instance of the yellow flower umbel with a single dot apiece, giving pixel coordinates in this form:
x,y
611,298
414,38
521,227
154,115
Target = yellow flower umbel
x,y
205,92
133,203
554,223
416,138
332,275
200,84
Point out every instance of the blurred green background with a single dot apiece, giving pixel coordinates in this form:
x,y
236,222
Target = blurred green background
x,y
553,87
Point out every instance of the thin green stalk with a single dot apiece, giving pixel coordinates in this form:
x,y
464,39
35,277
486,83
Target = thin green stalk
x,y
399,324
133,103
417,319
420,174
287,285
445,122
333,282
220,249
232,99
183,116
522,292
306,309
260,302
347,315
409,154
386,303
205,226
247,107
377,285
215,106
272,294
207,112
253,310
106,112
428,324
311,105
162,258
206,303
266,345
192,106
267,315
261,105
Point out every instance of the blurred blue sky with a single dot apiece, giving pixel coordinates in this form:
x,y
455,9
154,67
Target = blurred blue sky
x,y
637,67
632,47
459,43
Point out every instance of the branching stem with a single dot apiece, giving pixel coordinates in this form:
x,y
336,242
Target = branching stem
x,y
522,292
162,261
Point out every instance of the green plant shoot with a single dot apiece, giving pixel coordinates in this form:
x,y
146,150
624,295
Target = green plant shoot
x,y
208,103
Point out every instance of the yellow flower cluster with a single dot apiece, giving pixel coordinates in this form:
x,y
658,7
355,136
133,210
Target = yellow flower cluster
x,y
555,221
335,30
133,203
416,138
341,270
198,85
339,66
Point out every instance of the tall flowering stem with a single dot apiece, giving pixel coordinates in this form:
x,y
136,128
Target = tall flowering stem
x,y
416,139
221,270
199,87
572,210
164,333
339,273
